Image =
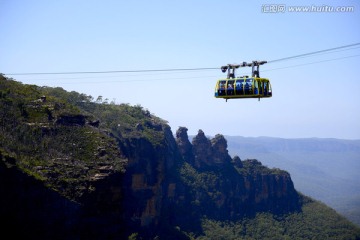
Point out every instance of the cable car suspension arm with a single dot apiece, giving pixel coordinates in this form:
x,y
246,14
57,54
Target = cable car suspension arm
x,y
255,71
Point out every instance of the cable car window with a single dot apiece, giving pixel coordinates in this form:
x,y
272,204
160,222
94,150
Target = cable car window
x,y
221,89
239,86
248,85
265,89
256,87
230,87
269,89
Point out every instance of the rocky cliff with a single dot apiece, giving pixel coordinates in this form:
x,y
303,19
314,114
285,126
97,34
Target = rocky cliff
x,y
176,183
233,188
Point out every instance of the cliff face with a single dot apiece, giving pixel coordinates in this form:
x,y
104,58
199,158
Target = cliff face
x,y
150,179
83,170
233,188
178,182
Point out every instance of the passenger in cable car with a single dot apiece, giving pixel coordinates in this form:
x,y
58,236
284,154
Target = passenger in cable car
x,y
230,89
247,88
256,90
265,89
239,87
221,89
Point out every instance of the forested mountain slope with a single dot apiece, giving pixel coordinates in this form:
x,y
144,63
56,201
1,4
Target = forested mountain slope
x,y
72,168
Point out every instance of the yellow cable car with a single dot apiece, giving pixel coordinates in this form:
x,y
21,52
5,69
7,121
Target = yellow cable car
x,y
243,87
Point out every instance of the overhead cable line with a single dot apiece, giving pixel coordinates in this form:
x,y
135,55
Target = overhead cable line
x,y
312,53
179,69
177,78
304,64
116,71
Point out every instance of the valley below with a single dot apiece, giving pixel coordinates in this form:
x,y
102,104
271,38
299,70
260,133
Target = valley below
x,y
325,169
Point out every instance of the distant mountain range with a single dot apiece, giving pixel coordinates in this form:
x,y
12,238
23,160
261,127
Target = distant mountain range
x,y
324,168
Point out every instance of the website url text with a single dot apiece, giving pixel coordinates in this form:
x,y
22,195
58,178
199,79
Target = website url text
x,y
282,8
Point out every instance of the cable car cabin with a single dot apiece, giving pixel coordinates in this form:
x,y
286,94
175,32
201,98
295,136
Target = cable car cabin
x,y
243,87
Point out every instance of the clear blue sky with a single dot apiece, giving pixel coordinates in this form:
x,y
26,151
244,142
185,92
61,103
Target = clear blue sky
x,y
312,97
